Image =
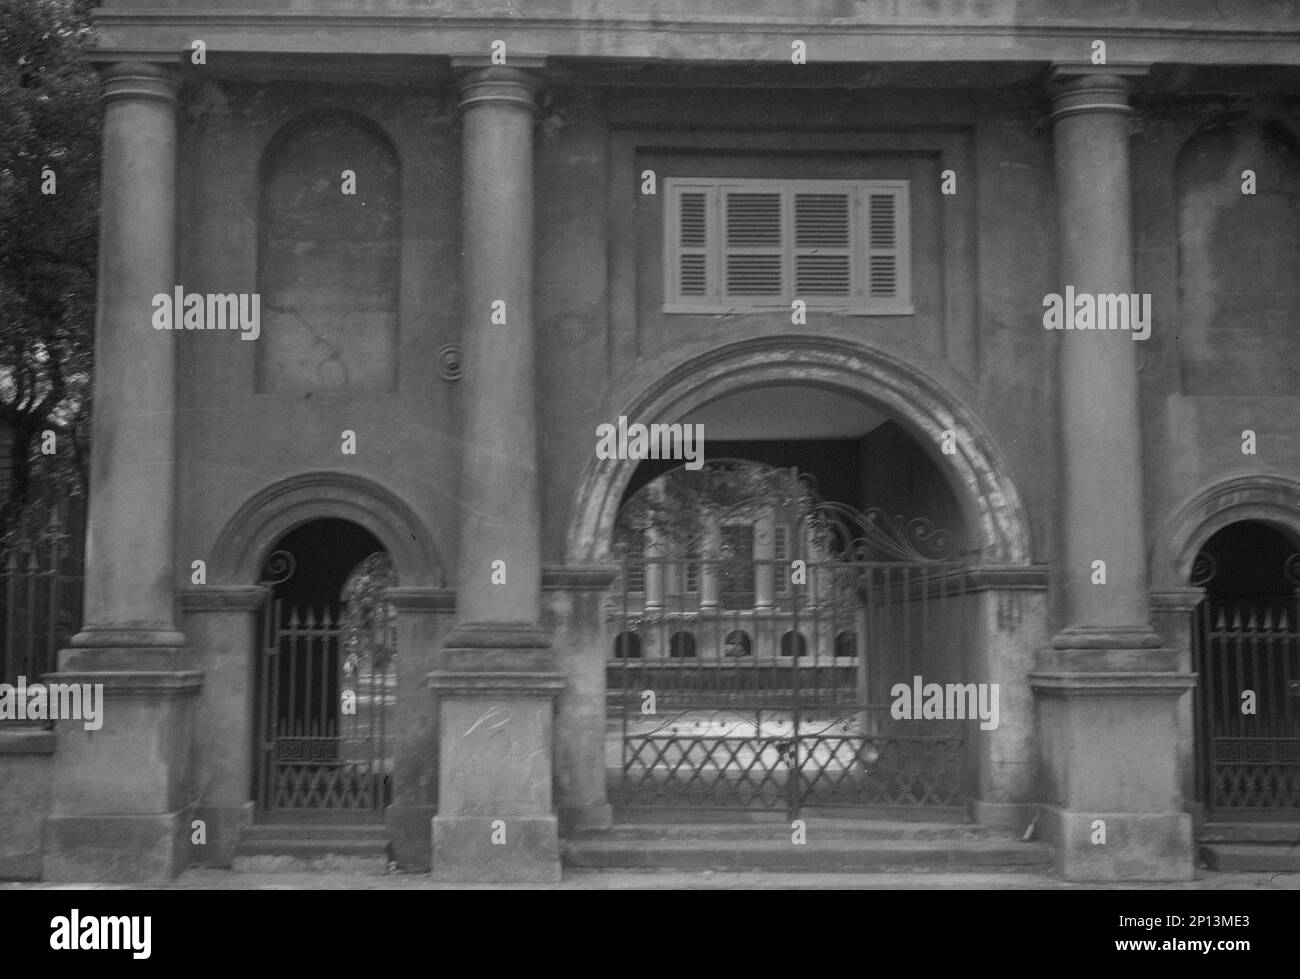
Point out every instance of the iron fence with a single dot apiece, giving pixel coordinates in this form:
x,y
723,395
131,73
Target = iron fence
x,y
40,602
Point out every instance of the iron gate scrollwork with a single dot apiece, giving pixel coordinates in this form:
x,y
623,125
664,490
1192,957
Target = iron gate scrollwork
x,y
752,664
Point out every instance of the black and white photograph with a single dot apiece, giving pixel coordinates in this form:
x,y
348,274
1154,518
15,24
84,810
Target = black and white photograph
x,y
649,446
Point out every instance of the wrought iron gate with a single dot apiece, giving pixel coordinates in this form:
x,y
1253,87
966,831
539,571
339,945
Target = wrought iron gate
x,y
324,731
752,668
1248,750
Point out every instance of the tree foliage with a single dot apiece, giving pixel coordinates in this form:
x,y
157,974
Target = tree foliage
x,y
49,128
367,617
676,505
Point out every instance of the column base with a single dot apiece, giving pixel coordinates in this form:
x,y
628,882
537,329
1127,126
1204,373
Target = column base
x,y
121,793
1139,846
527,850
496,822
148,848
157,637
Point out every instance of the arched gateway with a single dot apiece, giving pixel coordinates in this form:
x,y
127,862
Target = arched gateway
x,y
322,564
771,687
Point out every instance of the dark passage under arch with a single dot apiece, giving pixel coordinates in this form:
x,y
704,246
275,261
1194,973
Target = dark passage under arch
x,y
325,676
1246,644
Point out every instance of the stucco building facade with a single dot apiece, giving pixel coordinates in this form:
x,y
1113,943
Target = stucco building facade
x,y
546,231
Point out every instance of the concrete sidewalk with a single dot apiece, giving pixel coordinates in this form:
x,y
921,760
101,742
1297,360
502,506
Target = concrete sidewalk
x,y
205,879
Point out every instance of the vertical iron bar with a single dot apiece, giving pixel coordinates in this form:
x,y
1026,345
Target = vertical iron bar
x,y
794,788
52,605
30,657
10,654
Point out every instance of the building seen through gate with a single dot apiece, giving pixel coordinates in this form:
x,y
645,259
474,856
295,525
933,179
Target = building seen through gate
x,y
754,643
361,590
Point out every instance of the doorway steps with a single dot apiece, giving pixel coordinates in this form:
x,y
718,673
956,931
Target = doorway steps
x,y
833,845
1263,846
347,848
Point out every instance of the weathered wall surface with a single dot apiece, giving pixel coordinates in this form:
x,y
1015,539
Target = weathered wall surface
x,y
605,337
345,363
1223,269
25,773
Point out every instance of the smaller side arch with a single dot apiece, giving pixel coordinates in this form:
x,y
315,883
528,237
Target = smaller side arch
x,y
1269,498
272,512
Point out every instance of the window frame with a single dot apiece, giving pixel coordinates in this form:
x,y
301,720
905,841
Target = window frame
x,y
714,249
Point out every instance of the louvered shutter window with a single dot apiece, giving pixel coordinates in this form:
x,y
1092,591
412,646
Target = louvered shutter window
x,y
823,259
882,245
691,246
754,251
839,245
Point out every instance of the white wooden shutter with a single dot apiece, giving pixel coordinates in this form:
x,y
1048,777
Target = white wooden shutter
x,y
753,247
885,254
691,267
823,240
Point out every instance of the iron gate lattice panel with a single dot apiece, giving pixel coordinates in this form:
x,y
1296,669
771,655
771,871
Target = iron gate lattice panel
x,y
1248,761
325,733
772,690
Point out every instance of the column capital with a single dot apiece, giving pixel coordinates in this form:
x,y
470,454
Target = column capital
x,y
498,85
1077,88
139,80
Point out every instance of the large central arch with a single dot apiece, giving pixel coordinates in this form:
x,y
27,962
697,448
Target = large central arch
x,y
977,470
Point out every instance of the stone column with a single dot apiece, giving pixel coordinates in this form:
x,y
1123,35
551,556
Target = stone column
x,y
1108,693
130,588
500,512
498,682
710,568
119,791
653,574
764,540
1101,427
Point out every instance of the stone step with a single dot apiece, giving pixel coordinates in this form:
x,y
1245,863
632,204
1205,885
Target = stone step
x,y
820,856
310,831
860,830
1250,832
326,847
1262,857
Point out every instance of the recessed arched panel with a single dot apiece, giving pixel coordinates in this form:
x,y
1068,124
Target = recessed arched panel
x,y
1238,251
329,240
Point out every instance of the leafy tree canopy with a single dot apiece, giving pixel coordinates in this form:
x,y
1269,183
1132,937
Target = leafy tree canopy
x,y
49,141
